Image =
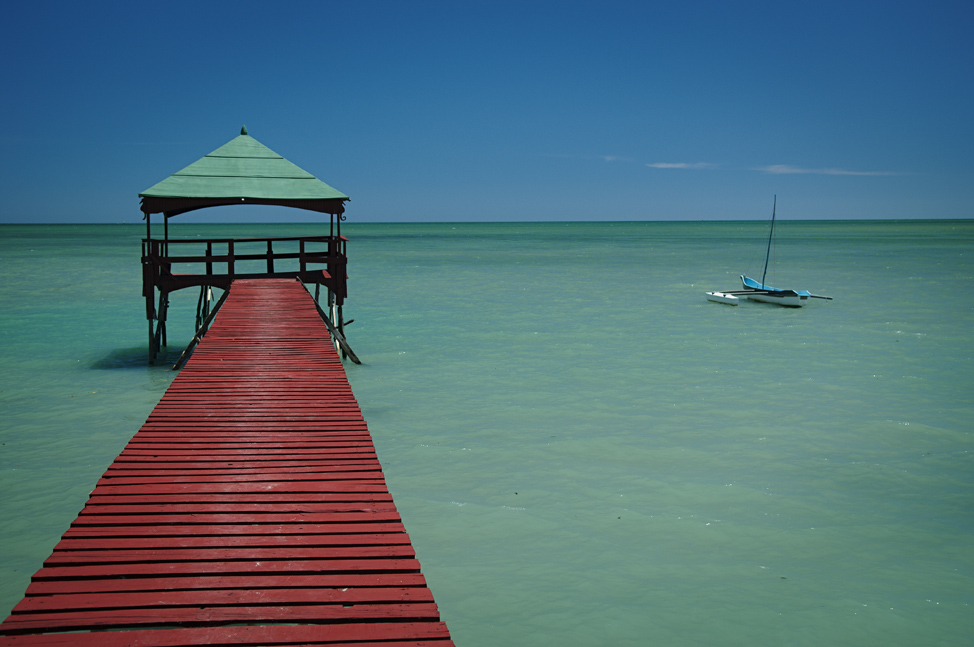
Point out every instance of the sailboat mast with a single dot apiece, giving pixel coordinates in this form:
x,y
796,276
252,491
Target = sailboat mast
x,y
770,235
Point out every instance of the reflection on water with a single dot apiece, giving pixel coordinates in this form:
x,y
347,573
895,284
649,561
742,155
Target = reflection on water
x,y
137,358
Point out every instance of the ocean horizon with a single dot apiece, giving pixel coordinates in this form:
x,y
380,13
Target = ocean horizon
x,y
583,449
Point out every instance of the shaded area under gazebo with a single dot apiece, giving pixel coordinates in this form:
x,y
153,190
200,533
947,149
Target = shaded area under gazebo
x,y
242,171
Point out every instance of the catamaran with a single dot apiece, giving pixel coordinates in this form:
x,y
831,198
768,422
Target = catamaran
x,y
761,291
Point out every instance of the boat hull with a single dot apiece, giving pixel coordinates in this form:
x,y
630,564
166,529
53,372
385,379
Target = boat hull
x,y
768,294
722,297
789,301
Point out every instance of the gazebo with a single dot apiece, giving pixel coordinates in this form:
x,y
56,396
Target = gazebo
x,y
242,171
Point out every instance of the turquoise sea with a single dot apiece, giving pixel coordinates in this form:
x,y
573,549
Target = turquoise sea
x,y
583,449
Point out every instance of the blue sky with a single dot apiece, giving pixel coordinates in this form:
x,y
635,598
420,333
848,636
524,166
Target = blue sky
x,y
455,111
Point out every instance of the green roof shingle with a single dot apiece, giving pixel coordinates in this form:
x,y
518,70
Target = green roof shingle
x,y
242,169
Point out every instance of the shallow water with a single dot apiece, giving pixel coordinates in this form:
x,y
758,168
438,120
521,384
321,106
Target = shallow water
x,y
584,450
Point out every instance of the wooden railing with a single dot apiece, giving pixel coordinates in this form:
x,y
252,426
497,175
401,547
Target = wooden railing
x,y
158,255
315,259
320,260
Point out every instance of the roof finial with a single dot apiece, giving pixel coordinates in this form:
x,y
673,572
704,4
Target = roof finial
x,y
243,130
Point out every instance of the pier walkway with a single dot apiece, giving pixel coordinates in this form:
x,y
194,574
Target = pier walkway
x,y
249,509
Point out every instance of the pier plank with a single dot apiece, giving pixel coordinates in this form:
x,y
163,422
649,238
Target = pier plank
x,y
217,582
320,566
124,530
207,615
388,634
146,543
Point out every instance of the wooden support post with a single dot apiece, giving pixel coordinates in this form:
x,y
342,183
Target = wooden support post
x,y
206,305
338,337
270,258
199,307
332,314
335,333
340,324
149,289
203,304
153,351
162,321
160,337
200,331
156,339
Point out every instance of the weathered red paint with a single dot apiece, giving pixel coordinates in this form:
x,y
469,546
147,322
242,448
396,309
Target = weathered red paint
x,y
251,496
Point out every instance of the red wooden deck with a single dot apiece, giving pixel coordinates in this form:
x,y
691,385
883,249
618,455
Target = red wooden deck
x,y
249,509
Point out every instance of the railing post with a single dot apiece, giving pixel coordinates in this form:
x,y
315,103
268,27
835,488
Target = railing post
x,y
331,265
209,257
340,276
149,292
270,257
230,259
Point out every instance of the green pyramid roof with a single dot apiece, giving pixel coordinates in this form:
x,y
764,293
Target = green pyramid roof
x,y
242,171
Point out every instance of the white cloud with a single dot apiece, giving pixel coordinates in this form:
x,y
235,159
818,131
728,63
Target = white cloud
x,y
785,169
616,158
697,165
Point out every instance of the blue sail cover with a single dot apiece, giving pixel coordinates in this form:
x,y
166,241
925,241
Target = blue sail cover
x,y
751,284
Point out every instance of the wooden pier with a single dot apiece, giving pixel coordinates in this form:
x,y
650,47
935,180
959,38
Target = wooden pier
x,y
241,172
249,509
